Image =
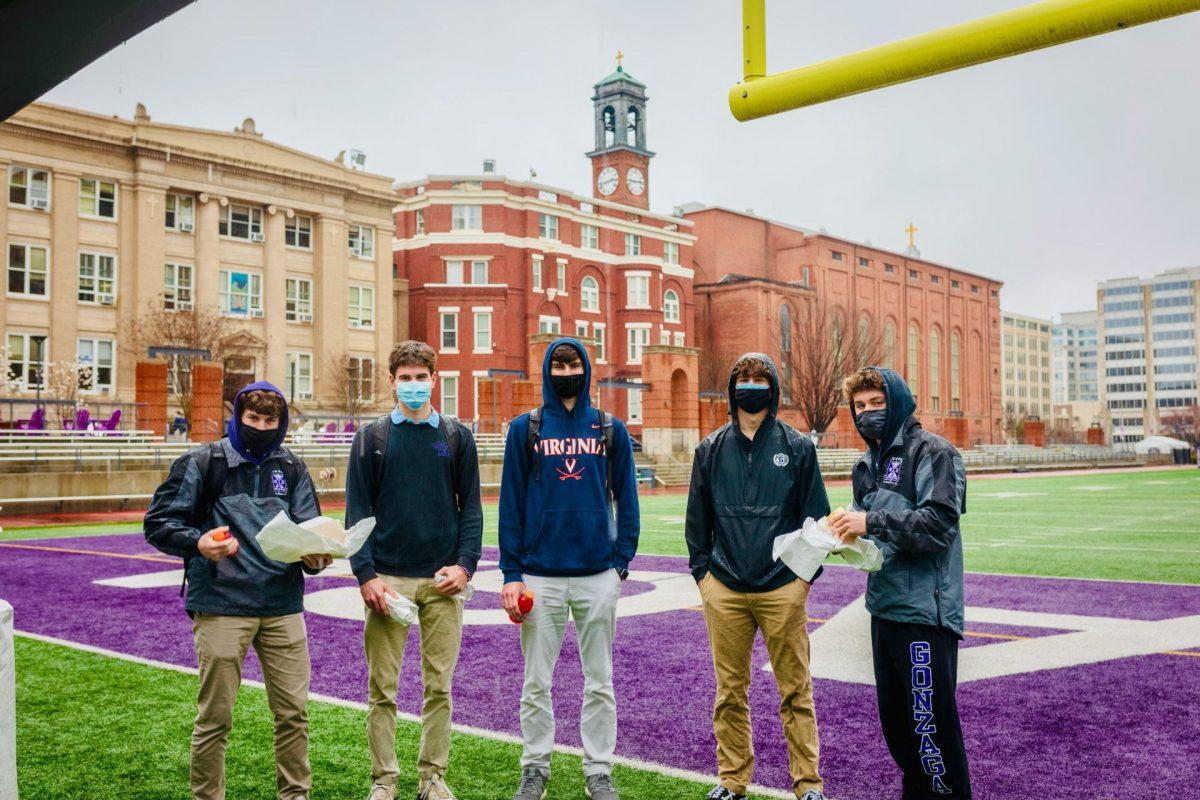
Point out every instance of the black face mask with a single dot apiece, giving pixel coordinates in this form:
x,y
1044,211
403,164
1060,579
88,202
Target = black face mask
x,y
567,386
872,424
257,443
752,401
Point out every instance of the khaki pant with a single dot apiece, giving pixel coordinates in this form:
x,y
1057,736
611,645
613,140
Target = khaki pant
x,y
440,620
282,647
733,619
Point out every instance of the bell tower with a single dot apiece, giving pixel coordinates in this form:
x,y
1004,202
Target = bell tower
x,y
620,160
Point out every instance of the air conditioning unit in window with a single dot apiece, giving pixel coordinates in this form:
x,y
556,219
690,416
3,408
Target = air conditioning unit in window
x,y
256,237
40,204
185,227
106,299
256,312
304,317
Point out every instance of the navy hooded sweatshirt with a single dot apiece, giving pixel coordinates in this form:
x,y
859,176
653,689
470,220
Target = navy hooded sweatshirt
x,y
252,492
555,519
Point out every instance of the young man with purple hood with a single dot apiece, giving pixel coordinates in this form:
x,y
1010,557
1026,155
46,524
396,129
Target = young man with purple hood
x,y
208,511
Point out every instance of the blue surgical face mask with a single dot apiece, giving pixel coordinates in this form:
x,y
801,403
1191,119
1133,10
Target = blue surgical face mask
x,y
414,394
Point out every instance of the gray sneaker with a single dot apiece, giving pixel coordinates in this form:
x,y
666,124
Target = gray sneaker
x,y
813,794
600,787
434,788
381,792
533,784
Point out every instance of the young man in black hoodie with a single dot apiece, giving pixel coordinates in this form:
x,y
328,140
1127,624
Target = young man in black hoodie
x,y
417,473
208,511
763,477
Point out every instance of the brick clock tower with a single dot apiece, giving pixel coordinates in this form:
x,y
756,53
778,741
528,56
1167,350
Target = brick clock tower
x,y
621,162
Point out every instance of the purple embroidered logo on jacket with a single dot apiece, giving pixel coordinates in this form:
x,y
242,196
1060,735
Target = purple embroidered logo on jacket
x,y
442,449
279,482
891,473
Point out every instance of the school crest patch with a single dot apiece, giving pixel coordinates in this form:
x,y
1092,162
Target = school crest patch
x,y
442,449
781,459
279,482
891,473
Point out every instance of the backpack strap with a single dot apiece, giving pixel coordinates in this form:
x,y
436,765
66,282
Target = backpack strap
x,y
213,469
608,437
373,444
533,436
450,430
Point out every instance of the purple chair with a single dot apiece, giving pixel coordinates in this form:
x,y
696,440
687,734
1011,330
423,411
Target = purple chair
x,y
111,423
349,428
324,437
36,421
80,423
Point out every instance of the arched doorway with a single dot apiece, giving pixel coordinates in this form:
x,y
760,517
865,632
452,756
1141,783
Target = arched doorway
x,y
680,419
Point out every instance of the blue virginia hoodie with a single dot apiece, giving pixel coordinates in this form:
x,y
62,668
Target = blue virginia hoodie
x,y
555,518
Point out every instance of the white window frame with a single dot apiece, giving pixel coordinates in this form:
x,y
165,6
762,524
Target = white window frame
x,y
479,266
360,306
581,330
179,212
299,227
466,217
452,329
361,241
671,253
548,227
633,244
172,288
449,394
481,315
598,333
298,308
96,197
664,336
680,338
549,324
96,387
671,310
589,237
32,194
639,299
589,297
23,358
254,299
299,387
536,264
454,271
358,381
28,248
97,282
642,329
560,283
634,402
419,223
254,222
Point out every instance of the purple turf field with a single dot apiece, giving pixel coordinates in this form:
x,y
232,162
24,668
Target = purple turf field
x,y
1049,711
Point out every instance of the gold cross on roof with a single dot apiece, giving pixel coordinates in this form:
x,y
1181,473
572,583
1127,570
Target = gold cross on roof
x,y
620,55
910,230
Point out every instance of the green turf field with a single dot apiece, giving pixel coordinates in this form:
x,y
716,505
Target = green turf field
x,y
1135,525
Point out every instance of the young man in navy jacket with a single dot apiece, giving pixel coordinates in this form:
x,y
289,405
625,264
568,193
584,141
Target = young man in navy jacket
x,y
565,465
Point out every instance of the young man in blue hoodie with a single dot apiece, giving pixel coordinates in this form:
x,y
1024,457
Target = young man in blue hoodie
x,y
208,511
565,465
910,488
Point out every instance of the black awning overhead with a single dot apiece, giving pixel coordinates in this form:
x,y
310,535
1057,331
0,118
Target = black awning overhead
x,y
44,42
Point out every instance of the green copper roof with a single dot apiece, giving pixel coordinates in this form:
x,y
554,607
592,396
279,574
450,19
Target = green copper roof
x,y
621,75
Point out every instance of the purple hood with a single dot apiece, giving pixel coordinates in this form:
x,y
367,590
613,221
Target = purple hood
x,y
231,428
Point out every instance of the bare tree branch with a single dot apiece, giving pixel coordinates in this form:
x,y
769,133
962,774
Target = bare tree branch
x,y
355,381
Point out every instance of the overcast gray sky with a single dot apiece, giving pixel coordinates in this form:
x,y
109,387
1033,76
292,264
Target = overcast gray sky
x,y
1048,171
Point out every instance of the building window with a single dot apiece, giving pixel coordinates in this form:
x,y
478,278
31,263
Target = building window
x,y
180,212
581,330
635,406
633,244
479,272
297,232
664,336
955,374
589,237
912,274
362,241
935,279
864,263
177,287
361,372
836,256
548,226
240,222
299,377
449,395
454,273
29,188
241,293
671,306
483,331
598,334
95,365
670,253
804,276
638,291
27,270
449,329
97,198
97,278
361,306
889,268
680,338
889,344
27,360
420,221
935,368
638,339
912,369
955,285
549,325
299,299
537,274
589,294
466,218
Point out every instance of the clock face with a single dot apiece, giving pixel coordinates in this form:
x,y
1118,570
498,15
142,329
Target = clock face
x,y
635,179
607,181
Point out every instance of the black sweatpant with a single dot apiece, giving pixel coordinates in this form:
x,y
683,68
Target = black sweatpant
x,y
916,674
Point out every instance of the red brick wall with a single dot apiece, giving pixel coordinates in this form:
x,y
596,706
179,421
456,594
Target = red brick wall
x,y
1034,433
208,409
151,383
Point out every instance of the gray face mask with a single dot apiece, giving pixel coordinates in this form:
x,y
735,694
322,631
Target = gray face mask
x,y
872,424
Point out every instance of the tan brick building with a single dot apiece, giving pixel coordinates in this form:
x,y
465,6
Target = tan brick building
x,y
107,219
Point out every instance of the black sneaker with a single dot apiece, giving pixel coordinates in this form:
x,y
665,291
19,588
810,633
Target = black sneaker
x,y
721,793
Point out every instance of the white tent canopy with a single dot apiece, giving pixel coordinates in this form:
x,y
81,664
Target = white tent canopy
x,y
1160,444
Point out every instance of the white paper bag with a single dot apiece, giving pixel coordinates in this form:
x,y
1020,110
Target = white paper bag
x,y
401,609
283,540
804,550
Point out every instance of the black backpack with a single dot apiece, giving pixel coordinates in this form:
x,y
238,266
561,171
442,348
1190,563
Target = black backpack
x,y
607,437
375,436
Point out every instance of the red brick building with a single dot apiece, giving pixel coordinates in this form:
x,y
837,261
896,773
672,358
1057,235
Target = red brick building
x,y
940,325
492,264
